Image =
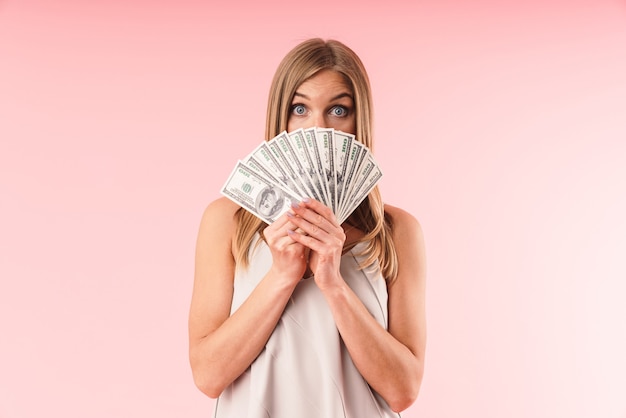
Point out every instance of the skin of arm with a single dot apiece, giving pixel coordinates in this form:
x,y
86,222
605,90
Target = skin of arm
x,y
222,346
391,361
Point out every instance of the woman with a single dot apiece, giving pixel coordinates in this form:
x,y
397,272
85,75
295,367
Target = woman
x,y
306,317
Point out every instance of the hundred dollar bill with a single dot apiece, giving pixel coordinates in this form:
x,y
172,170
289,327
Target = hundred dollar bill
x,y
355,158
327,151
255,165
284,165
313,151
343,143
264,156
367,178
312,179
289,154
257,194
368,186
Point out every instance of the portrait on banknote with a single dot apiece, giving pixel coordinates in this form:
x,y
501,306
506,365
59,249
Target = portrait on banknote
x,y
269,202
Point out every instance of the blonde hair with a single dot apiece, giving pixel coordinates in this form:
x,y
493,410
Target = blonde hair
x,y
301,63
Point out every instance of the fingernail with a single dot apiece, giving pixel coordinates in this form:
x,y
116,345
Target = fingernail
x,y
290,214
306,200
295,205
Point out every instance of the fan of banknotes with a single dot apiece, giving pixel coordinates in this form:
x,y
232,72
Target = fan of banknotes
x,y
320,163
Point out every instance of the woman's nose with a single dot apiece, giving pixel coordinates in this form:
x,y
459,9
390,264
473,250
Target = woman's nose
x,y
319,120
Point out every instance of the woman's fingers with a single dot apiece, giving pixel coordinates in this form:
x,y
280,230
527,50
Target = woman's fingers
x,y
309,223
281,225
315,212
317,221
319,216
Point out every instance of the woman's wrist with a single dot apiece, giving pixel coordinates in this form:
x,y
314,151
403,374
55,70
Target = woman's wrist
x,y
283,281
335,287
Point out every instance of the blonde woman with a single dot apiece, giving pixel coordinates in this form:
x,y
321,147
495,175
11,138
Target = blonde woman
x,y
305,317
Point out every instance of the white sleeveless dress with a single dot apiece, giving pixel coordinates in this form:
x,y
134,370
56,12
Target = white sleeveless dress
x,y
305,370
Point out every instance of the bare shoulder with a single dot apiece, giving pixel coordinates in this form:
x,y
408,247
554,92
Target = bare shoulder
x,y
221,207
403,223
220,213
218,223
408,240
214,255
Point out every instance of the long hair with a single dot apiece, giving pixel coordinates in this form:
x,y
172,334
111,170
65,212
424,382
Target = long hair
x,y
300,64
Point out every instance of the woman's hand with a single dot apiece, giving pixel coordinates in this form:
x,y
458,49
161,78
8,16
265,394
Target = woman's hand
x,y
323,235
289,256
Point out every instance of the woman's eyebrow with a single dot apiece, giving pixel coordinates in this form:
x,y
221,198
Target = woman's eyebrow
x,y
342,95
339,96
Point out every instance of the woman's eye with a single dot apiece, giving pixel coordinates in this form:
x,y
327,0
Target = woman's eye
x,y
298,109
339,111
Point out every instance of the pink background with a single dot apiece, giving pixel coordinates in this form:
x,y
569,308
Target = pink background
x,y
500,125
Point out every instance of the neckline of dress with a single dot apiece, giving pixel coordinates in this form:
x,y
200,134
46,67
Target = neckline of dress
x,y
353,247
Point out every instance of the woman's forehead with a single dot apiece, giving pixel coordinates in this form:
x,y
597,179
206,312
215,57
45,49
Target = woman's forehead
x,y
325,79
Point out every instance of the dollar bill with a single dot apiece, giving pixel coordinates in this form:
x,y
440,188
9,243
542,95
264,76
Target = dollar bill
x,y
257,194
310,138
368,185
255,165
342,142
263,156
327,151
369,174
358,153
296,165
309,167
330,166
283,163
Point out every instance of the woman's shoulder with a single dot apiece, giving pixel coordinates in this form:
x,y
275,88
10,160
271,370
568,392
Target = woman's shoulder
x,y
222,206
400,216
408,239
220,214
402,221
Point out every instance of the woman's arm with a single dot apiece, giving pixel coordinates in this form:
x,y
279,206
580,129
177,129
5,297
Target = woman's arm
x,y
392,360
221,346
